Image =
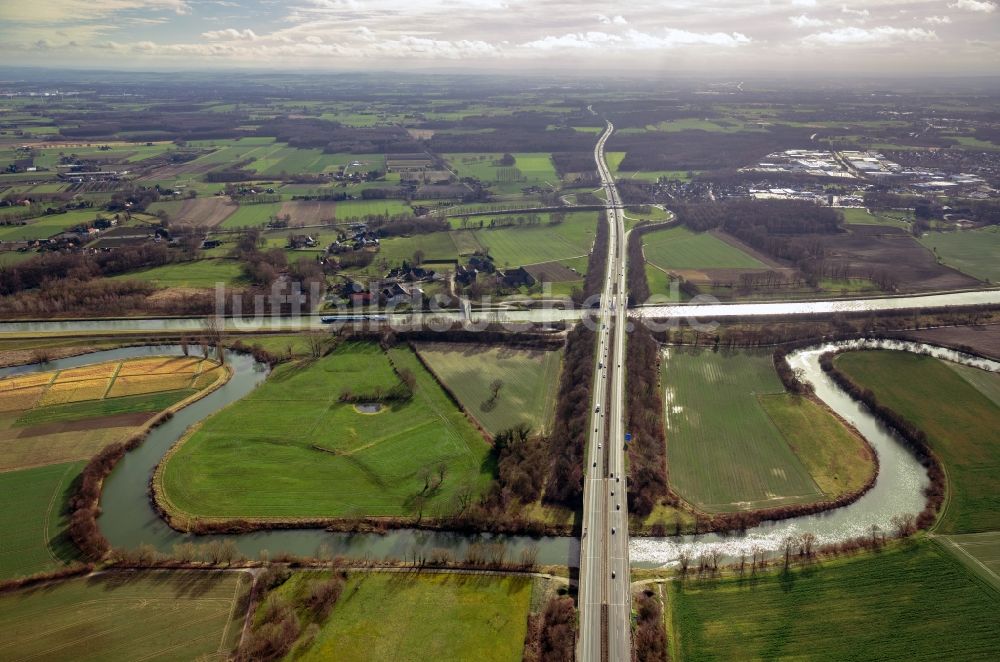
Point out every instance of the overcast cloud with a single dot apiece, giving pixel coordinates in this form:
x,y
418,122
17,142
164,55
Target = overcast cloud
x,y
642,36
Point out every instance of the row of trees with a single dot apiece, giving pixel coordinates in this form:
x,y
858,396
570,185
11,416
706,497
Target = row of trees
x,y
649,641
647,483
551,634
566,443
46,267
521,464
597,262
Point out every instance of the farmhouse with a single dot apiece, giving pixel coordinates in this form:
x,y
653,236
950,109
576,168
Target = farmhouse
x,y
301,241
515,277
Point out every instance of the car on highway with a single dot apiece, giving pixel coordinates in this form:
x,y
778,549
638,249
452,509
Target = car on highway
x,y
612,530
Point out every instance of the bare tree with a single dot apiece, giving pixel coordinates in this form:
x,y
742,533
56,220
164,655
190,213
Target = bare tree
x,y
808,544
714,555
316,341
211,328
789,546
904,524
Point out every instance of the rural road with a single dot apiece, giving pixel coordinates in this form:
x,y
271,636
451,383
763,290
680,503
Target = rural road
x,y
604,599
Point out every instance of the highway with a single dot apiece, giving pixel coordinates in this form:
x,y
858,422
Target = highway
x,y
604,598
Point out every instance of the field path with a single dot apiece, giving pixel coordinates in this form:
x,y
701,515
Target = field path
x,y
48,514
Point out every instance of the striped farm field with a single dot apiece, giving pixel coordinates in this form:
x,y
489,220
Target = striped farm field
x,y
174,615
528,380
737,441
910,603
61,416
32,518
138,384
161,365
61,393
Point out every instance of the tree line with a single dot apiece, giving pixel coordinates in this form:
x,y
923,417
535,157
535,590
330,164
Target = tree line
x,y
566,443
552,633
647,452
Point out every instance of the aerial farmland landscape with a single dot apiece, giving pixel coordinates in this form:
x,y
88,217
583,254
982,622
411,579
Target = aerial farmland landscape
x,y
471,330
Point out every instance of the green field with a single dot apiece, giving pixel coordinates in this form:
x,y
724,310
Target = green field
x,y
360,208
292,449
407,616
914,603
44,227
859,216
961,423
738,442
529,169
974,252
116,616
97,408
680,248
252,215
10,258
435,246
979,552
32,517
517,246
199,273
987,383
529,380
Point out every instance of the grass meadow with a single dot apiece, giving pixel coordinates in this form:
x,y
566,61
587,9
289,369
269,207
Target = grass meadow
x,y
293,449
914,602
32,517
859,216
517,246
430,616
960,420
680,248
970,251
44,227
739,442
529,379
123,615
251,215
196,274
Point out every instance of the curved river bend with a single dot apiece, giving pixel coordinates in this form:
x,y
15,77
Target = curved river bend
x,y
128,520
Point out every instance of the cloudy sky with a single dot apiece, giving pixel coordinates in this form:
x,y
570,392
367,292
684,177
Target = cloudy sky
x,y
647,36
